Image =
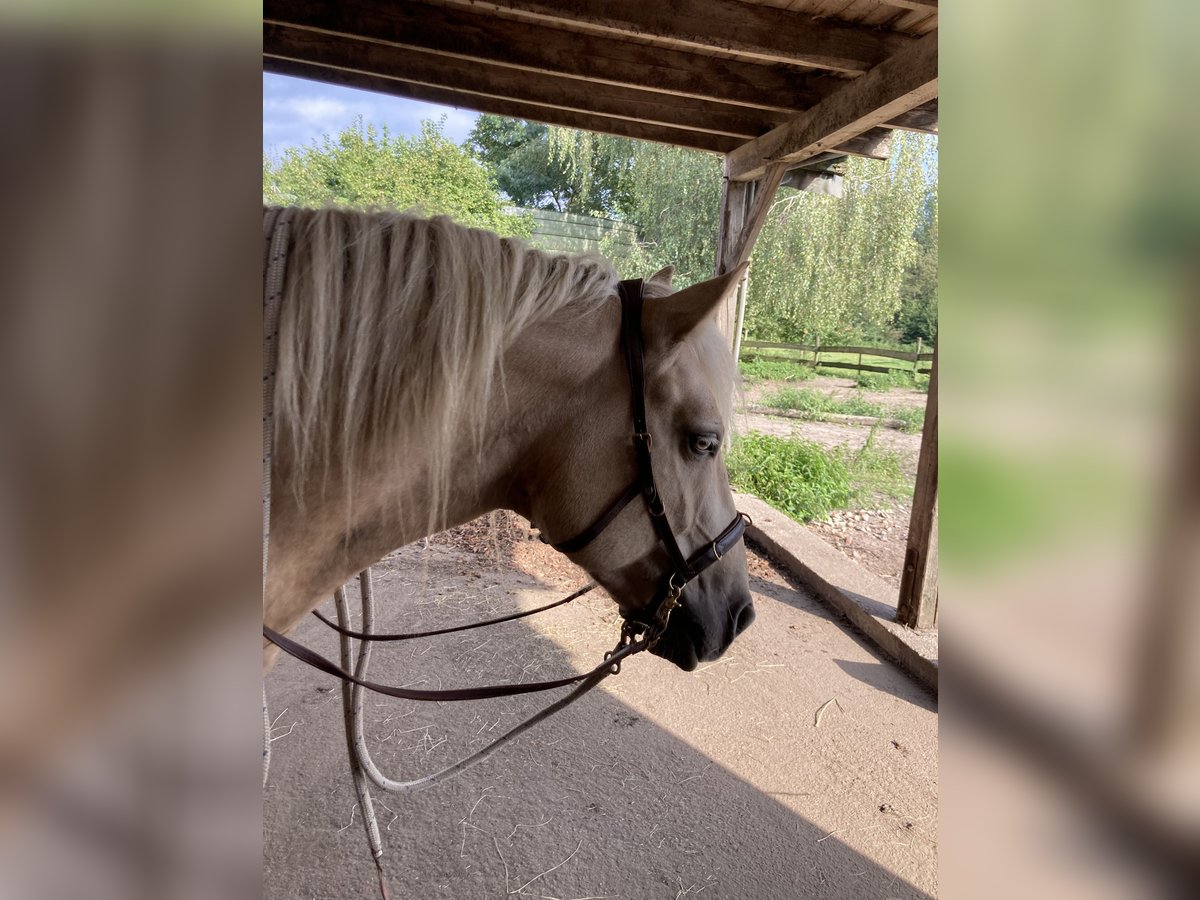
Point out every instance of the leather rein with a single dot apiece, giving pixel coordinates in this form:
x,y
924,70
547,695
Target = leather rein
x,y
640,631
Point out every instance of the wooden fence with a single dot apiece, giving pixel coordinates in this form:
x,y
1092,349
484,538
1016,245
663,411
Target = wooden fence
x,y
810,354
572,233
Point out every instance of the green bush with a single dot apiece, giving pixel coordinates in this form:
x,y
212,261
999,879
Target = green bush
x,y
799,478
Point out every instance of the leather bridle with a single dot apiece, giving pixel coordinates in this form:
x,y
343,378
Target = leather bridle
x,y
683,568
642,629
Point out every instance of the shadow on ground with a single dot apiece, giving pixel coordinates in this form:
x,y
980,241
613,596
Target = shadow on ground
x,y
661,785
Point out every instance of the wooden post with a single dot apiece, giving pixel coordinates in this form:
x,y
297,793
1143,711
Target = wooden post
x,y
744,207
917,355
735,197
918,604
743,289
817,352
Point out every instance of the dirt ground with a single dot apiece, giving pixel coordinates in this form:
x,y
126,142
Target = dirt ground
x,y
799,765
874,538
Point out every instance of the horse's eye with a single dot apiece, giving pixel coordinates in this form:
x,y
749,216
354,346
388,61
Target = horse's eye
x,y
704,444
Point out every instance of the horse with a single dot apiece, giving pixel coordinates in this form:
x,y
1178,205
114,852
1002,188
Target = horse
x,y
429,373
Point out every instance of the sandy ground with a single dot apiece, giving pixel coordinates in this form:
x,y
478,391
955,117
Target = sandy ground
x,y
661,784
874,538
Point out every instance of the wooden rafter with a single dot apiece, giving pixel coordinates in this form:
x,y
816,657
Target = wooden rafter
x,y
542,49
516,109
895,86
923,118
490,81
760,32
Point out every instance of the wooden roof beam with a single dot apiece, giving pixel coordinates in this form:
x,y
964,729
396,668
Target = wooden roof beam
x,y
895,86
923,119
434,70
761,32
541,49
517,109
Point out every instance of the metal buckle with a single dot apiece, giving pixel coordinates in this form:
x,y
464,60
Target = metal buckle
x,y
645,437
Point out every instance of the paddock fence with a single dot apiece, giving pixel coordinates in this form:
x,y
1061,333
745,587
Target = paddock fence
x,y
835,356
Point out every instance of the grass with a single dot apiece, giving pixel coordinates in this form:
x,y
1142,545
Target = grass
x,y
807,481
817,404
912,417
799,478
774,370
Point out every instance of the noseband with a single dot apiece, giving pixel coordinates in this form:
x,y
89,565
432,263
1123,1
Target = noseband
x,y
683,568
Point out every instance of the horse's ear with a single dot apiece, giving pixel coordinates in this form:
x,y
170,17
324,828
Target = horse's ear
x,y
670,319
663,276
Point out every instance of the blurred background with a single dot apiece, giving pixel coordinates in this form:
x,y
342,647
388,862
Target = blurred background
x,y
130,720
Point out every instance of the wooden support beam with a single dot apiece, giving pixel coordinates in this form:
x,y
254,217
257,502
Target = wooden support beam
x,y
919,5
735,200
923,119
918,604
903,82
759,32
545,50
516,109
484,79
744,209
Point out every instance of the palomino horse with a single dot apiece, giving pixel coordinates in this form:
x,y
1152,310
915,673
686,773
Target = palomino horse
x,y
428,373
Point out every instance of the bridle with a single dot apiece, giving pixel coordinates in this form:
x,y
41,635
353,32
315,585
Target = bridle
x,y
652,619
640,631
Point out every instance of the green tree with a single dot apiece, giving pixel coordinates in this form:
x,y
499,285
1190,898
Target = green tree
x,y
918,314
368,166
832,268
518,154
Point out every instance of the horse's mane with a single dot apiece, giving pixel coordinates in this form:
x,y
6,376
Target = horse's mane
x,y
391,322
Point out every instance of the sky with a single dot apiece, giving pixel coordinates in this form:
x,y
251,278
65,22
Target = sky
x,y
296,112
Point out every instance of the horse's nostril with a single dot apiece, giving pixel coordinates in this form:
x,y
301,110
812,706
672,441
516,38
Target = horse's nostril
x,y
745,617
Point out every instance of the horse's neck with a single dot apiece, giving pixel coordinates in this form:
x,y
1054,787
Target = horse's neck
x,y
318,542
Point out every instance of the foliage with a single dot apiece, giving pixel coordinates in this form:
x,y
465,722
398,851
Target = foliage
x,y
796,477
882,381
832,268
518,154
876,475
597,168
817,404
912,417
918,313
368,166
775,370
670,194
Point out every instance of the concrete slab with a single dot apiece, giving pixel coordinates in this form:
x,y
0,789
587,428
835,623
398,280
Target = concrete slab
x,y
867,602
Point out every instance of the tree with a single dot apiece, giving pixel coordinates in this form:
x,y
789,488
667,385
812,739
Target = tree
x,y
518,154
833,268
368,166
918,314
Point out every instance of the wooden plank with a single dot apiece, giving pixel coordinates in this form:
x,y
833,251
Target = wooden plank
x,y
759,32
735,199
923,119
538,48
917,606
516,109
901,83
764,195
433,70
907,356
919,5
857,367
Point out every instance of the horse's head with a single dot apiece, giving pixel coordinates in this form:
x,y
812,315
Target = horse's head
x,y
585,460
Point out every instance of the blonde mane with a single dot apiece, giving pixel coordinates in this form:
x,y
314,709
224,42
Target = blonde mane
x,y
392,322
